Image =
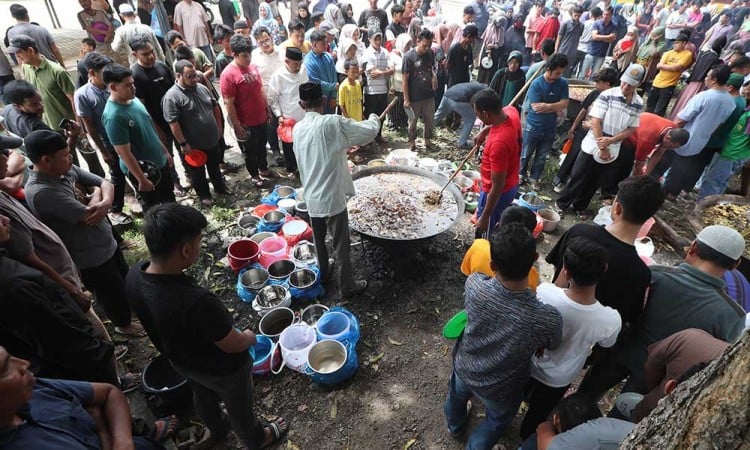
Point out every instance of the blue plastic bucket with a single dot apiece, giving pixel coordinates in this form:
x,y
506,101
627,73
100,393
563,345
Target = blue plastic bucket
x,y
531,201
333,325
261,354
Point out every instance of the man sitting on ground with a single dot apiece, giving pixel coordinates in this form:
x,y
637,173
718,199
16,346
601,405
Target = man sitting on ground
x,y
48,413
191,326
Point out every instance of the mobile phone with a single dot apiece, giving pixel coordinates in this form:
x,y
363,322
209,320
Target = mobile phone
x,y
66,124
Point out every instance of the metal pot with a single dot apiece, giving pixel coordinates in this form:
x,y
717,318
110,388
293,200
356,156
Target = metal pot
x,y
284,191
281,269
262,236
312,313
272,296
249,223
327,356
463,182
302,278
300,210
304,253
274,216
254,279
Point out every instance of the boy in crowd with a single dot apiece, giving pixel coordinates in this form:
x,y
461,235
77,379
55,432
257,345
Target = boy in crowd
x,y
506,325
350,92
586,322
88,45
192,327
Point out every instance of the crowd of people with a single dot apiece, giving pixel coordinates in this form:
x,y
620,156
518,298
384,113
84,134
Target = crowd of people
x,y
147,98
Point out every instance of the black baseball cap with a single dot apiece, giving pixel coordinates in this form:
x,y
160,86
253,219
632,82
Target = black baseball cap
x,y
43,142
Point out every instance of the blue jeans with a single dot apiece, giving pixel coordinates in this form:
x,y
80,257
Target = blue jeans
x,y
209,51
590,62
506,198
717,177
539,146
465,110
497,414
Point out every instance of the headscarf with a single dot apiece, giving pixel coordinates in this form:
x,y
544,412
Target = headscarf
x,y
344,44
345,17
332,14
269,22
440,31
347,32
403,42
649,48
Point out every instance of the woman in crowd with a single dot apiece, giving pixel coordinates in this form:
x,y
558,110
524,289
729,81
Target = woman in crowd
x,y
397,116
649,53
267,21
303,15
351,32
333,15
625,50
347,14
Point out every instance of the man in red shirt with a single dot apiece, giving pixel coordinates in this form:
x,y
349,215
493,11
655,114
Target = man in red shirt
x,y
651,139
549,28
242,89
501,158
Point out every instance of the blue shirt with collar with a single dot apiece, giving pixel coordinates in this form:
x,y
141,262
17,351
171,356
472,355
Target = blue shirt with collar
x,y
321,68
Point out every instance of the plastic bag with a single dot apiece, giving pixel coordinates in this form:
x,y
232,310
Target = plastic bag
x,y
566,146
272,227
311,292
604,216
341,375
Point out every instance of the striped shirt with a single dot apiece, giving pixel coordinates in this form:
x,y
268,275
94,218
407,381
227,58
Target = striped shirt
x,y
379,60
503,331
616,115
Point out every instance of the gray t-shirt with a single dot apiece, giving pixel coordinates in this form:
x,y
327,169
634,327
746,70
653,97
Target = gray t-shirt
x,y
193,109
40,35
90,102
57,203
598,434
20,123
29,235
570,35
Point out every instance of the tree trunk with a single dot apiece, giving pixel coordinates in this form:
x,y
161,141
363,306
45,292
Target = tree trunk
x,y
711,410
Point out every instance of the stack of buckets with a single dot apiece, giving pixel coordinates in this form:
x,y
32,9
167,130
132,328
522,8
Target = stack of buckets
x,y
324,350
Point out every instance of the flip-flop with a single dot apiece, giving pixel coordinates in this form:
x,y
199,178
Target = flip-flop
x,y
456,325
120,351
139,332
277,433
130,382
170,424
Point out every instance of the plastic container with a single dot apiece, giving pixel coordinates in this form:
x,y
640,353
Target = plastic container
x,y
196,158
295,342
271,250
295,231
242,253
333,325
261,354
287,204
161,379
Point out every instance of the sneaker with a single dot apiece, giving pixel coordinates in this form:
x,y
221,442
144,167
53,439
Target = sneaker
x,y
559,188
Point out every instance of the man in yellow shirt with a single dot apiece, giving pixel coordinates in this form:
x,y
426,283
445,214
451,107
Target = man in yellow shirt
x,y
670,68
477,257
350,92
296,38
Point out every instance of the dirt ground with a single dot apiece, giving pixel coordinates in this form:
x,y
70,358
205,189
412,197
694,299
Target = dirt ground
x,y
395,400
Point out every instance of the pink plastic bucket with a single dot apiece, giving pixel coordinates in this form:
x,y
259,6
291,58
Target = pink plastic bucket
x,y
272,250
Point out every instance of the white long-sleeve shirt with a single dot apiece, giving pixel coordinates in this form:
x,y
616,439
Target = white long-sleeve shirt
x,y
283,93
320,143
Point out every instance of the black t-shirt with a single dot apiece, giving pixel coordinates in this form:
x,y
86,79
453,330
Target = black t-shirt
x,y
420,69
590,99
396,28
226,10
151,83
624,284
183,320
463,92
369,19
458,62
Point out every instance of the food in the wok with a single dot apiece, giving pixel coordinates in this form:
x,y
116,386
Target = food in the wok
x,y
392,206
432,197
579,93
730,215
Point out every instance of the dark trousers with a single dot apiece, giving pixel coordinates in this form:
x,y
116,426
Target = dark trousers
x,y
376,104
572,68
606,373
338,226
235,389
658,100
290,162
107,282
686,170
563,173
198,175
585,179
254,150
117,178
90,156
397,116
169,141
541,400
621,169
272,133
162,192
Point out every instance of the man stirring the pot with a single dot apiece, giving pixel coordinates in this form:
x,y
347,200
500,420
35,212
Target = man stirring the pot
x,y
320,147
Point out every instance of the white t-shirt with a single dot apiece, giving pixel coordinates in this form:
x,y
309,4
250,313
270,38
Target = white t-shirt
x,y
583,326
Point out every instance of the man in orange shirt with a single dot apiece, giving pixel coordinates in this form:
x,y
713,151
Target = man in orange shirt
x,y
651,139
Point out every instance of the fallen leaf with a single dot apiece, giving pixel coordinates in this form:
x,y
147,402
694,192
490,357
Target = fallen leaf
x,y
367,344
437,310
394,342
334,409
290,446
376,358
411,311
375,367
409,443
302,408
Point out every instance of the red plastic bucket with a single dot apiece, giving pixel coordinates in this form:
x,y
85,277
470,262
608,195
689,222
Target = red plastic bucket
x,y
242,253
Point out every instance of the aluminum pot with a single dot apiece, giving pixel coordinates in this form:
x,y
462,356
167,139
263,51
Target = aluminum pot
x,y
302,278
284,191
274,216
249,223
312,313
327,356
304,253
281,269
300,210
260,237
254,279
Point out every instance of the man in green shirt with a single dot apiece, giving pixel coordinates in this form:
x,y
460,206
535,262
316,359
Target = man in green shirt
x,y
54,85
131,130
734,154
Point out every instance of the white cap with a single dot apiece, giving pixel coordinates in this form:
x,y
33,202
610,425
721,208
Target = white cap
x,y
125,8
724,240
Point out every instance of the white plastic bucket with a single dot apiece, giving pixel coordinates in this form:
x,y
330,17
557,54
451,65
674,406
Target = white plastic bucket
x,y
295,342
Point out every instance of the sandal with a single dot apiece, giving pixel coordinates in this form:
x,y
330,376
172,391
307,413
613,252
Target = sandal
x,y
120,351
119,219
279,428
133,330
130,382
168,425
458,433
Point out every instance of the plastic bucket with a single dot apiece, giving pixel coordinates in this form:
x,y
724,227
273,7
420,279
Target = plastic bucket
x,y
242,253
261,354
295,342
161,378
332,325
295,230
275,321
272,249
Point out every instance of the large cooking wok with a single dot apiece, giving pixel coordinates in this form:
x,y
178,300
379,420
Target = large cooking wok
x,y
451,191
